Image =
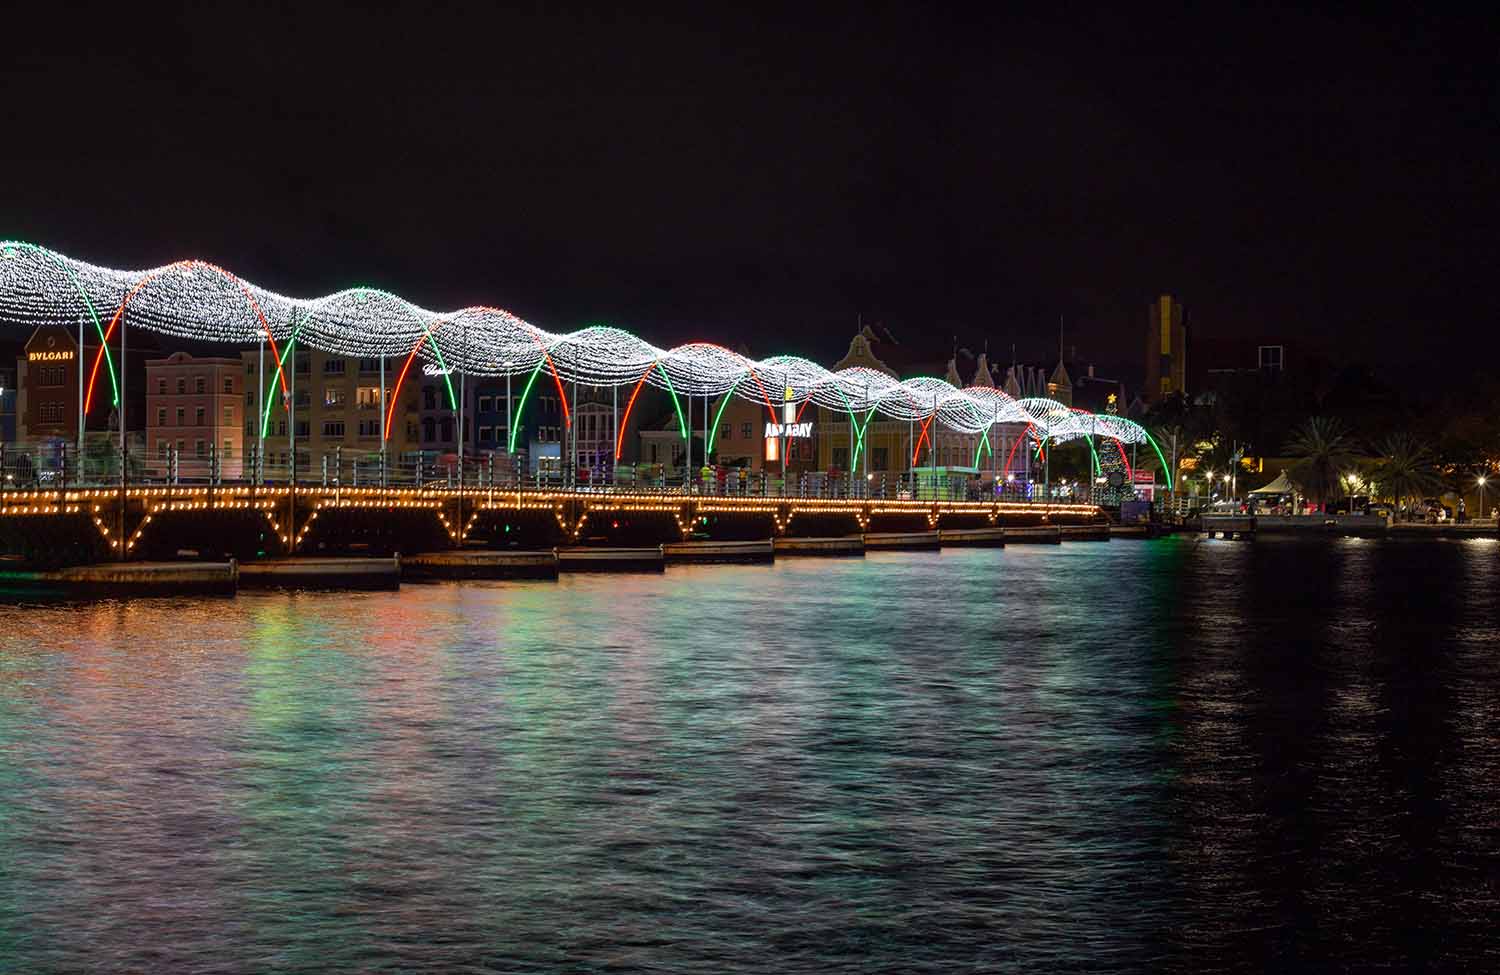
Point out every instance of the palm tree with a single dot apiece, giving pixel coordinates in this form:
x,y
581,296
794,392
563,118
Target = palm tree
x,y
1407,470
1323,447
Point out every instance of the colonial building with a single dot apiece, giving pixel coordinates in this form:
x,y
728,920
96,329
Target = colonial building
x,y
336,411
194,405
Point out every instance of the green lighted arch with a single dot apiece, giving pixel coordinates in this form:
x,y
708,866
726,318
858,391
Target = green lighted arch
x,y
109,360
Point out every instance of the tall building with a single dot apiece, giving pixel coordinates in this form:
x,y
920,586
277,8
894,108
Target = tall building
x,y
1166,349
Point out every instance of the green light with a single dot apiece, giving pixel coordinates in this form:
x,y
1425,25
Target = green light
x,y
681,421
109,360
521,406
713,431
983,443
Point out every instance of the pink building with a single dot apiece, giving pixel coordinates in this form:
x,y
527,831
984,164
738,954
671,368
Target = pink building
x,y
197,406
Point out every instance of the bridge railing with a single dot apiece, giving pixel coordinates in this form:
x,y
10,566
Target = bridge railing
x,y
100,465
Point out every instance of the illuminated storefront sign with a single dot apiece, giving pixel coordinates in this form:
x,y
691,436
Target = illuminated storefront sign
x,y
776,431
50,355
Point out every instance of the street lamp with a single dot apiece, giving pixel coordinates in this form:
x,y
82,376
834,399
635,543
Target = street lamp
x,y
1480,481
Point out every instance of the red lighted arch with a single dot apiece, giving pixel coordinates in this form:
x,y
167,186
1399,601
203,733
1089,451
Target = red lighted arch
x,y
119,315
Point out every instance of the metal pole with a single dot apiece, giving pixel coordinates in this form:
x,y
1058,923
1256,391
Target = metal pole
x,y
384,432
1047,477
122,417
614,427
260,411
81,418
291,442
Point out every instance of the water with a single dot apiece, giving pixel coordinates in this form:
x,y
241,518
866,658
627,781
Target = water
x,y
1164,756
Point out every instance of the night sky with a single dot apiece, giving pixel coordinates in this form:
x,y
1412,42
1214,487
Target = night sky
x,y
768,177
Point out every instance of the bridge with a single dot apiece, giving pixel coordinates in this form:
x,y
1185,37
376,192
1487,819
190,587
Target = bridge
x,y
249,522
56,509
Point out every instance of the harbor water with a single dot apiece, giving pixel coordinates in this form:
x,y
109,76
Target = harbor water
x,y
1174,755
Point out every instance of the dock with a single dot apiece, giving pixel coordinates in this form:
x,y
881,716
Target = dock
x,y
835,546
760,550
973,537
902,541
320,572
584,559
1034,535
481,564
1084,533
128,579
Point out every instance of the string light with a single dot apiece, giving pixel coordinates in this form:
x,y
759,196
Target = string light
x,y
203,302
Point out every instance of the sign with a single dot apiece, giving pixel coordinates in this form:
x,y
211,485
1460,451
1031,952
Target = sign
x,y
1144,477
50,355
429,369
777,430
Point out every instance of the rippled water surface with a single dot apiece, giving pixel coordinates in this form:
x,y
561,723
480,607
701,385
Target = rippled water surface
x,y
1134,756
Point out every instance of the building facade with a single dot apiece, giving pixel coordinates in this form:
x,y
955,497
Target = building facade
x,y
336,412
194,407
1166,349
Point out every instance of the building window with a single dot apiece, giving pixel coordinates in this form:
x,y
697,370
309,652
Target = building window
x,y
726,431
229,384
486,434
333,428
161,387
879,459
200,449
369,365
181,447
745,431
161,417
369,428
333,367
302,429
200,385
200,416
333,396
447,424
429,398
1272,358
228,414
429,430
181,416
228,451
181,385
367,397
161,448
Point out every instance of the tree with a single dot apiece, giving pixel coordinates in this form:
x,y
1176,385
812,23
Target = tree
x,y
1407,470
1323,447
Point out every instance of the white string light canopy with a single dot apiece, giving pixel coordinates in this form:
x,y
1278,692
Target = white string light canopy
x,y
204,302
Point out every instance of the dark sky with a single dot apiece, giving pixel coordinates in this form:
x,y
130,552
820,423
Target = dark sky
x,y
763,178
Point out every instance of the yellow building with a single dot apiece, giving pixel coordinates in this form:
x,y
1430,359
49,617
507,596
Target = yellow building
x,y
337,410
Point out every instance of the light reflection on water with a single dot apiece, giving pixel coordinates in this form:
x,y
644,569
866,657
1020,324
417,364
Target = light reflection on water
x,y
1124,756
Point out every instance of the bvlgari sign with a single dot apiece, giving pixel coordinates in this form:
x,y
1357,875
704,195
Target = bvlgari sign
x,y
51,353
